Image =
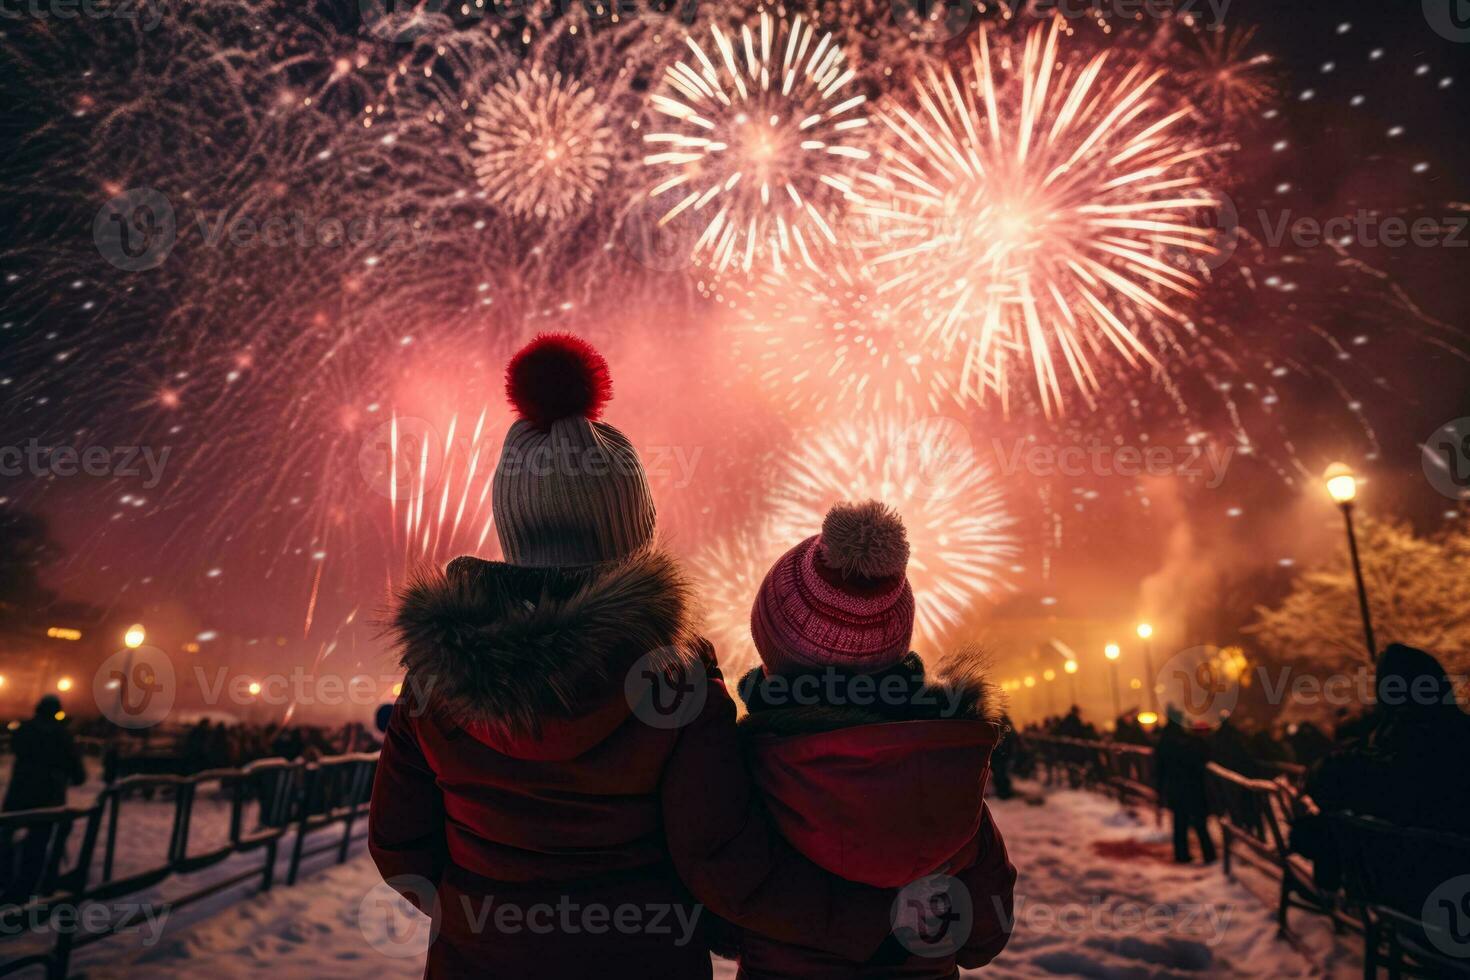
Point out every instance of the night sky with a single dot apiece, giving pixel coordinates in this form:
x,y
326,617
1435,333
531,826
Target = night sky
x,y
266,527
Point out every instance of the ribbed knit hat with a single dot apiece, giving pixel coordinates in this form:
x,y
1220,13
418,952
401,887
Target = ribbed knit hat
x,y
569,490
839,599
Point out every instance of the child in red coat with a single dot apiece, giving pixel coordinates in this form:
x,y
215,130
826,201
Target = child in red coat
x,y
870,769
554,814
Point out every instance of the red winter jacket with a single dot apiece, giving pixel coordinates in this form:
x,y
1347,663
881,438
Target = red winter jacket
x,y
550,830
881,779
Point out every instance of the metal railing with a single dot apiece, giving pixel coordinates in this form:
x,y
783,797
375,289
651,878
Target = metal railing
x,y
43,876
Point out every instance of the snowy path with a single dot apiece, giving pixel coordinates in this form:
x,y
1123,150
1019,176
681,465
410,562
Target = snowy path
x,y
1098,897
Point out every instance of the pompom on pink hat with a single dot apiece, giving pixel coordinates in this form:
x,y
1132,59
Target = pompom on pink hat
x,y
840,598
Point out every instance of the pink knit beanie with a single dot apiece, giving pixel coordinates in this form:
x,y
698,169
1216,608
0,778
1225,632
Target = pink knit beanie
x,y
839,599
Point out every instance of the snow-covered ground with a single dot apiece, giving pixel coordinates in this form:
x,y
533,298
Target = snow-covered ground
x,y
1098,897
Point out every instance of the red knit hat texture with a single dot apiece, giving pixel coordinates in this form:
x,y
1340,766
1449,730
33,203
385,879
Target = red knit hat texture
x,y
839,599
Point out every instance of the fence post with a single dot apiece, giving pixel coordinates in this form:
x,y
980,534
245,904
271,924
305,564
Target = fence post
x,y
311,777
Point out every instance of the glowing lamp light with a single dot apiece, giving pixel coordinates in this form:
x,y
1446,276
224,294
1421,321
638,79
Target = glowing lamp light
x,y
1136,684
2,680
254,688
134,637
63,633
398,689
1112,652
1148,719
1070,666
64,684
1048,674
60,716
1342,483
1030,681
1145,631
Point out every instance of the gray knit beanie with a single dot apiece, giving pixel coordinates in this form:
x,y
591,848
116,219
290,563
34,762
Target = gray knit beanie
x,y
569,490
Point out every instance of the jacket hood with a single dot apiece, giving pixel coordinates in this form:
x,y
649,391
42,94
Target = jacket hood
x,y
880,781
532,661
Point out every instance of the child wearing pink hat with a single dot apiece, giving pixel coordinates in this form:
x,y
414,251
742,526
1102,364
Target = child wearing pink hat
x,y
869,768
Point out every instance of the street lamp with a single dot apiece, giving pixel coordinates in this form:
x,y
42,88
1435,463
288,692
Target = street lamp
x,y
1071,668
1145,632
132,640
1342,486
1112,652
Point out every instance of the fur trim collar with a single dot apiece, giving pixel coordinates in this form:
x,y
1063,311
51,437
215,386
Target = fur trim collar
x,y
510,646
826,700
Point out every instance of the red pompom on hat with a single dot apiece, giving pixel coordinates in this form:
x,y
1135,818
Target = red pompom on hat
x,y
558,376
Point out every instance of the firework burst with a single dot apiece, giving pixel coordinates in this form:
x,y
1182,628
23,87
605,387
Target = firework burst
x,y
763,136
813,340
1030,211
729,571
1230,81
960,532
541,145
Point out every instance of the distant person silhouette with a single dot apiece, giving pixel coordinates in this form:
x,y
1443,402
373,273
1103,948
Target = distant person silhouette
x,y
1180,760
46,764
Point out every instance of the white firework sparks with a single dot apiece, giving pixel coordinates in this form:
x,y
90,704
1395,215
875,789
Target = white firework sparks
x,y
819,339
762,144
730,571
960,533
1038,213
541,145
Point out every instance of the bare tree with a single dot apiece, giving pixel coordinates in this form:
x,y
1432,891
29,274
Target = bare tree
x,y
1418,594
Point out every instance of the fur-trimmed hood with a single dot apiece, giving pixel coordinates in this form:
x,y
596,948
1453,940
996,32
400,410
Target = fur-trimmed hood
x,y
506,650
820,700
878,778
